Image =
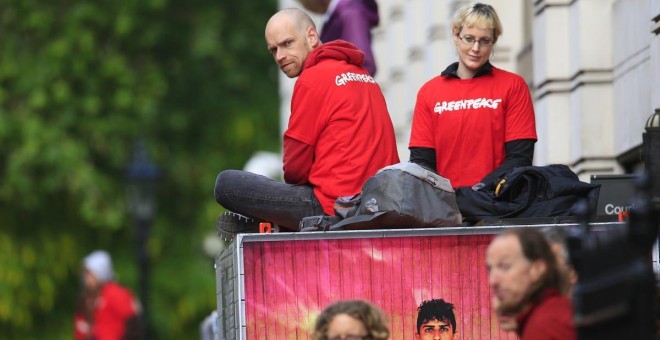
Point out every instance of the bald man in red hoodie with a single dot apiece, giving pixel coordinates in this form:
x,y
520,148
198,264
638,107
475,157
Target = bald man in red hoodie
x,y
339,132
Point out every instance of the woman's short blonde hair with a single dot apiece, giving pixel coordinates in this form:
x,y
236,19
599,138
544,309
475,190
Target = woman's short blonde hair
x,y
371,317
477,15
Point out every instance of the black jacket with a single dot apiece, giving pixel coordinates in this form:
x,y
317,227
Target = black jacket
x,y
529,191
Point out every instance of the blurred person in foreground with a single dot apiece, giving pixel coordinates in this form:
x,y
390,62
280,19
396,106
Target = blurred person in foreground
x,y
351,320
526,283
436,320
475,121
350,20
106,310
556,238
339,133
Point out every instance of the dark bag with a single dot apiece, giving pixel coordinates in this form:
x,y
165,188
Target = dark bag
x,y
403,195
529,191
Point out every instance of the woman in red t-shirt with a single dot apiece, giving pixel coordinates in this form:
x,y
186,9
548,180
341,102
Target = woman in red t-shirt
x,y
474,122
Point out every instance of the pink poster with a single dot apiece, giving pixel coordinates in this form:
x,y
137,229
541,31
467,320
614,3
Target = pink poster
x,y
288,283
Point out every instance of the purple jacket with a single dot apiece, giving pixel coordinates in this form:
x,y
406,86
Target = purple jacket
x,y
352,20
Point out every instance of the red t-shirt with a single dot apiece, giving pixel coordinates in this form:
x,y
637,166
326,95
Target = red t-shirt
x,y
467,122
114,306
338,110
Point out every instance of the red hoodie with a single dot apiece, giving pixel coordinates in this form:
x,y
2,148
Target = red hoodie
x,y
339,132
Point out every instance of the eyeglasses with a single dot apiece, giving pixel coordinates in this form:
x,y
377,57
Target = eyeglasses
x,y
351,337
484,42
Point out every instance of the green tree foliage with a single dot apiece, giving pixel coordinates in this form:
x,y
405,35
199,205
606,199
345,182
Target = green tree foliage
x,y
79,81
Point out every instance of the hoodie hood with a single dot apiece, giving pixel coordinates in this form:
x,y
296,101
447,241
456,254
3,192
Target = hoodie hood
x,y
336,50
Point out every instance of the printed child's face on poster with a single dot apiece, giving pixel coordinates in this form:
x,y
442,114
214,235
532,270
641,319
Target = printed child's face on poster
x,y
436,330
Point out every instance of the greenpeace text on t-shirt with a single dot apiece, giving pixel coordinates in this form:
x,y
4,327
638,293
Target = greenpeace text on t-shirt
x,y
466,104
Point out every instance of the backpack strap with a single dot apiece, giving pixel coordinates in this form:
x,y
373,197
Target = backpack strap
x,y
318,223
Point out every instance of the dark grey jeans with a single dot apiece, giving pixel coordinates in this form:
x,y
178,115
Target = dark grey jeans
x,y
266,199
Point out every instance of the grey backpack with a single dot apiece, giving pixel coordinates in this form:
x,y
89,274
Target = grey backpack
x,y
403,195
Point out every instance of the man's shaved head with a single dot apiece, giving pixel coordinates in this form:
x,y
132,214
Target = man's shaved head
x,y
290,36
297,17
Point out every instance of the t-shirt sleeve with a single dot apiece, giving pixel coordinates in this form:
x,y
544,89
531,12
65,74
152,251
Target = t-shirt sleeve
x,y
298,159
421,134
306,108
520,121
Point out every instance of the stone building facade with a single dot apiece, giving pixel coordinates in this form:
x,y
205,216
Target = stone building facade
x,y
593,67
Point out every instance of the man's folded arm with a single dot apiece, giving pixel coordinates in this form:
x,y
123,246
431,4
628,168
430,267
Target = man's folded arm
x,y
298,158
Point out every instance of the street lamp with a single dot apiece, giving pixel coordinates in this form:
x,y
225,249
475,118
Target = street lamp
x,y
141,176
651,153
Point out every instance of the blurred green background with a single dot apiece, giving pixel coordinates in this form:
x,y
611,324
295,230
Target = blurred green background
x,y
79,81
